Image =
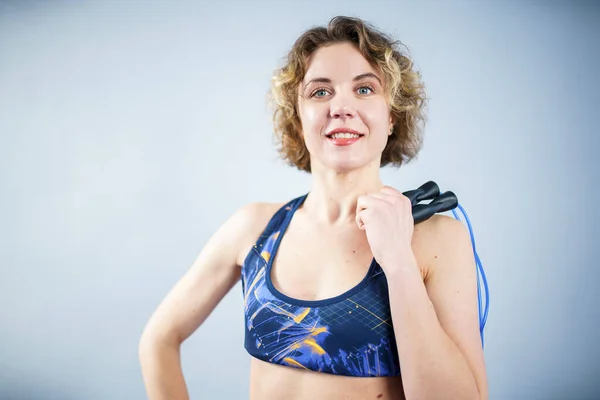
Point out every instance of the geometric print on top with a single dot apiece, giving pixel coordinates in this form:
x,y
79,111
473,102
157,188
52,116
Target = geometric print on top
x,y
350,334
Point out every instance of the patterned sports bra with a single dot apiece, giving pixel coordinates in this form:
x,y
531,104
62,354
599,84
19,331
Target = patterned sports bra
x,y
350,334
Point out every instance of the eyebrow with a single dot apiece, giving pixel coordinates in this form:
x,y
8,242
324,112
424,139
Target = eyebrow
x,y
356,78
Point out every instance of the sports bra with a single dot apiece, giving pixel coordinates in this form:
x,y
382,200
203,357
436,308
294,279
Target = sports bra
x,y
350,334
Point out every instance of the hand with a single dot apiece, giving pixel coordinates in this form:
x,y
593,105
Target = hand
x,y
386,217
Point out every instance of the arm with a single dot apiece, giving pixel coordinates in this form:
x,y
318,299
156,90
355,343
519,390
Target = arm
x,y
189,303
437,320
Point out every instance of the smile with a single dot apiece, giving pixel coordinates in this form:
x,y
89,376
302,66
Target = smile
x,y
344,135
344,138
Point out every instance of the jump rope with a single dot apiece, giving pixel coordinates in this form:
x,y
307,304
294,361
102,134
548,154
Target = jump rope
x,y
447,201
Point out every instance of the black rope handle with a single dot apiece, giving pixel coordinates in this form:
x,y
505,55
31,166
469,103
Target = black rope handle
x,y
439,202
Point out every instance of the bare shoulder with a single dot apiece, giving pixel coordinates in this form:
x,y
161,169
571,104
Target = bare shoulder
x,y
441,227
250,221
437,237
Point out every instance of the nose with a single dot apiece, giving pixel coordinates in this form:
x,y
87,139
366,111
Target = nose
x,y
342,109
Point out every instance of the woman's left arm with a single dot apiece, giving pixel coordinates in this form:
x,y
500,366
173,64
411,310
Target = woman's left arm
x,y
435,318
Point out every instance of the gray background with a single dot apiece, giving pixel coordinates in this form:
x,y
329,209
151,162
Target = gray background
x,y
131,130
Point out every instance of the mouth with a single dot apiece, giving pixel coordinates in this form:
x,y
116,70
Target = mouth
x,y
343,138
344,135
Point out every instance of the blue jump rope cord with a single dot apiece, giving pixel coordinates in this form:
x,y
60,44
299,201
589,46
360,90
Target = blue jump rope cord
x,y
480,276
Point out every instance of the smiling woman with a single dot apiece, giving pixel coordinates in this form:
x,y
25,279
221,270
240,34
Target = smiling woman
x,y
325,54
344,297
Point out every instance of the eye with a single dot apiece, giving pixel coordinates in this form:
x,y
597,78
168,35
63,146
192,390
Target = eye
x,y
365,90
319,92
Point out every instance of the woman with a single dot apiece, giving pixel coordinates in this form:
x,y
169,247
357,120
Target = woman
x,y
324,275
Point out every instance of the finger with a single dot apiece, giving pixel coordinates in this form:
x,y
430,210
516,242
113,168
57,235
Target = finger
x,y
367,201
385,197
360,224
395,196
396,200
361,219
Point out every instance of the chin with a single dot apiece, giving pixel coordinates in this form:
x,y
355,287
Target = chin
x,y
346,166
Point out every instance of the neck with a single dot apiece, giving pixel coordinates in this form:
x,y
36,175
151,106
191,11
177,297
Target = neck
x,y
333,197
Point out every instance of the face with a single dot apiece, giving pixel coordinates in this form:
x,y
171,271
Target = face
x,y
342,92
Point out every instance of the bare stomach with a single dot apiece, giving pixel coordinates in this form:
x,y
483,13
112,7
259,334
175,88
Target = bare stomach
x,y
276,382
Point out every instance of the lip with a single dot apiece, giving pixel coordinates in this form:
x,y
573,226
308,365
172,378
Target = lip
x,y
348,130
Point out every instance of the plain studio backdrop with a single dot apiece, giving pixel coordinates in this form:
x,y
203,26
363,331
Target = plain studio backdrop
x,y
130,131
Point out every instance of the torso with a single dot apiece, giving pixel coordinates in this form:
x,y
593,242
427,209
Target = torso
x,y
276,382
315,263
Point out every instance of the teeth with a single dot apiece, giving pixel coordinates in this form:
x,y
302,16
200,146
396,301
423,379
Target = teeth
x,y
344,135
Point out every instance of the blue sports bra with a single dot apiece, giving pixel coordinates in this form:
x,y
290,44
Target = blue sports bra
x,y
350,334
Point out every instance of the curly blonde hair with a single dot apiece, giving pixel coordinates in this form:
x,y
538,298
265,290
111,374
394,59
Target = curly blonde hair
x,y
404,89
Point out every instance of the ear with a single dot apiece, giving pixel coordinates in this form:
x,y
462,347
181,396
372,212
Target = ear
x,y
391,125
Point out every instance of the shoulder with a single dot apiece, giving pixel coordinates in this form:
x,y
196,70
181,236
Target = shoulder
x,y
442,229
249,221
255,215
438,240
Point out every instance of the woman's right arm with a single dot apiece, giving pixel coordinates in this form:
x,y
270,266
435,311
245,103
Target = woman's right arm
x,y
190,302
